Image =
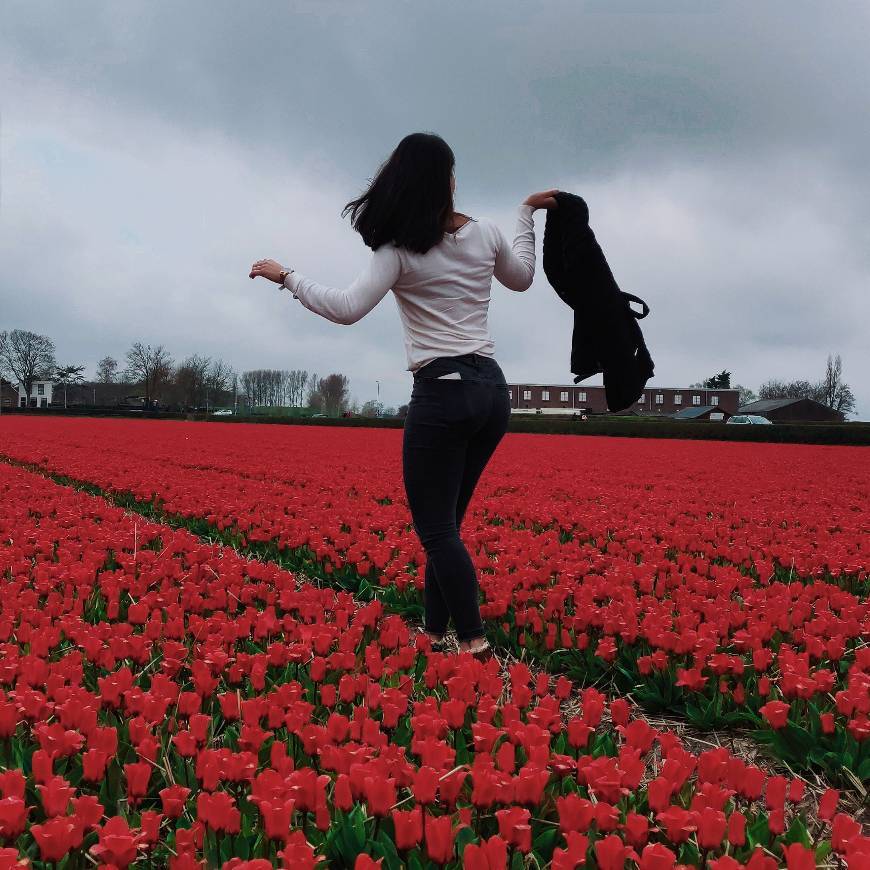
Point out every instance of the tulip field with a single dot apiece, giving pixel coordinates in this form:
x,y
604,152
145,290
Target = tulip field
x,y
210,656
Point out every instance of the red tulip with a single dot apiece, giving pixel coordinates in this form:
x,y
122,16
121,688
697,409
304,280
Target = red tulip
x,y
798,857
173,799
409,827
13,817
657,856
711,828
56,795
776,713
736,829
828,804
439,838
117,843
138,774
56,837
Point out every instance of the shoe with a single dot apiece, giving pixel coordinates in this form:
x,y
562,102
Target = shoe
x,y
484,654
438,646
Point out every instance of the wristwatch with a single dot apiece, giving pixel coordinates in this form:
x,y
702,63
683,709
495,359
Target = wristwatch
x,y
282,275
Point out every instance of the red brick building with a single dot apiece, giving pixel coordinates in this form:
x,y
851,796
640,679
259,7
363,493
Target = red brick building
x,y
655,401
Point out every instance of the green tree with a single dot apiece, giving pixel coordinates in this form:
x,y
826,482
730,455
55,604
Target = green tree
x,y
66,376
722,381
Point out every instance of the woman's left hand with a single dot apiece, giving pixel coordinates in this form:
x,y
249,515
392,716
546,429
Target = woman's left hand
x,y
270,269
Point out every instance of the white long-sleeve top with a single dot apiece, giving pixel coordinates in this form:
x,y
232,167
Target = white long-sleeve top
x,y
442,295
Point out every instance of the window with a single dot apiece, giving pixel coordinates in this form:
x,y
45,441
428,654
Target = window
x,y
527,395
696,400
678,399
563,396
659,398
545,395
581,397
714,400
40,389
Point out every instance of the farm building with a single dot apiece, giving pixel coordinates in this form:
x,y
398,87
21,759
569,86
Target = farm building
x,y
655,401
703,412
793,411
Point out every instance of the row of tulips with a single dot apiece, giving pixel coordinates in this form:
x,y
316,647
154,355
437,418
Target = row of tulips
x,y
166,702
682,600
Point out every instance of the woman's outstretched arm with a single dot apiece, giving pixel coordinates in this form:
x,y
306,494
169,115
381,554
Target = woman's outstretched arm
x,y
515,264
347,306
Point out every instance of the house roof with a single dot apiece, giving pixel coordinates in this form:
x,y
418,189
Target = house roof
x,y
696,411
768,405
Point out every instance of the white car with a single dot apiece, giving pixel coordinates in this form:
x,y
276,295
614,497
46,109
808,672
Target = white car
x,y
222,412
749,419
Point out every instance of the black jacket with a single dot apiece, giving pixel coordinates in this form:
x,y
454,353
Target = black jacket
x,y
607,337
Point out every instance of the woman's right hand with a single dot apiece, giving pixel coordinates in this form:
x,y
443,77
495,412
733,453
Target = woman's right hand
x,y
545,199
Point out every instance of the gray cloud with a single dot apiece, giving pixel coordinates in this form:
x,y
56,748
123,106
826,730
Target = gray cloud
x,y
151,151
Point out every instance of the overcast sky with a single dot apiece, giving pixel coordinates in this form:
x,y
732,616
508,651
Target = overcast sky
x,y
151,151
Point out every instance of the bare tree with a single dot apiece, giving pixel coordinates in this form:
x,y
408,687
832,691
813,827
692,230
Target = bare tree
x,y
151,367
774,389
835,392
107,370
190,378
266,386
296,381
277,387
372,408
314,397
27,356
218,382
220,376
744,395
844,400
250,387
335,391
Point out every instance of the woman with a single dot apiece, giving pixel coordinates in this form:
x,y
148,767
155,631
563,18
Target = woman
x,y
439,263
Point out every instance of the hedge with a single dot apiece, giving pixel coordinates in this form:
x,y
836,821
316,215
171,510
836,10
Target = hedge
x,y
857,433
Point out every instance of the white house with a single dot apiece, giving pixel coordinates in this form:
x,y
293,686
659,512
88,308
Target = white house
x,y
40,395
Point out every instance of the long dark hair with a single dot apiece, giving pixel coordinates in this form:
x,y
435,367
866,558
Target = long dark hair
x,y
409,201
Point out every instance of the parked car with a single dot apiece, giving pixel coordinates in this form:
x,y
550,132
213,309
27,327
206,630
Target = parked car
x,y
749,420
222,412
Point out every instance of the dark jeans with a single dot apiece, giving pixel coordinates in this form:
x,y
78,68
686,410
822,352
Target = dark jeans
x,y
451,430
